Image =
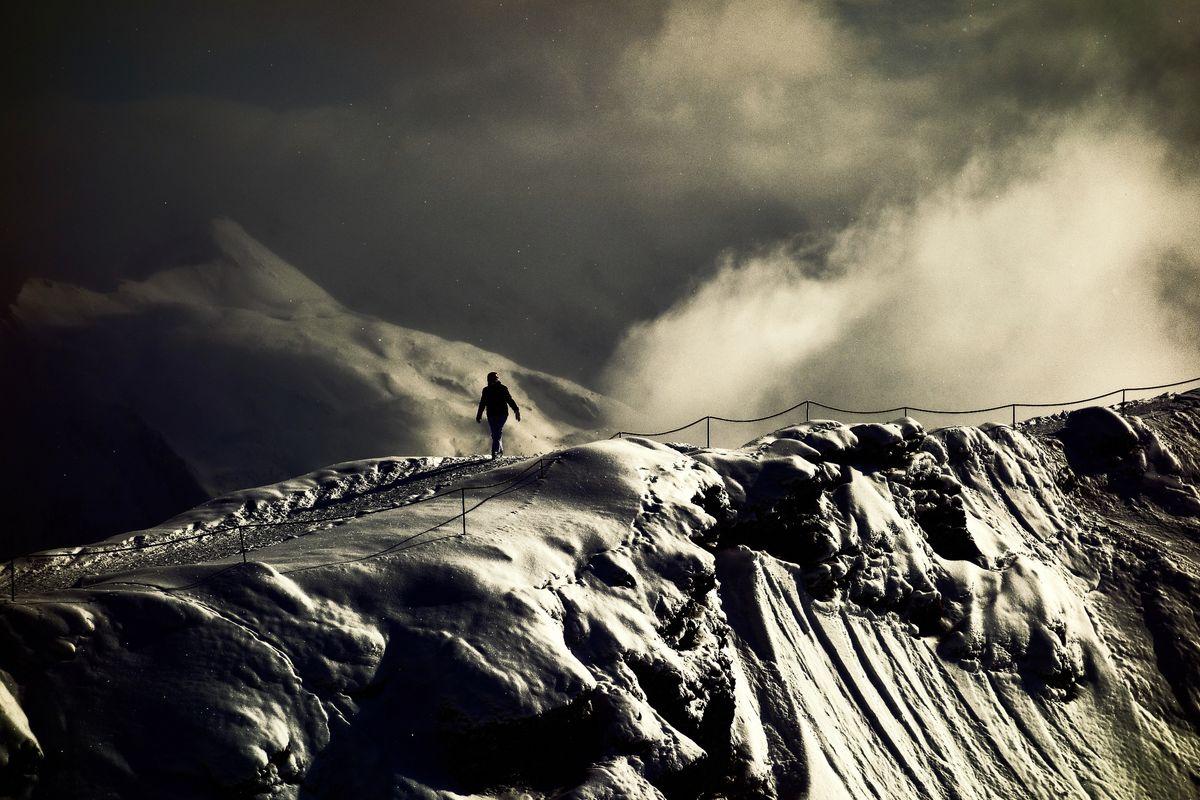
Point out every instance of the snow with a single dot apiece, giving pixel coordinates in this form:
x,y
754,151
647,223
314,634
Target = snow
x,y
829,611
19,750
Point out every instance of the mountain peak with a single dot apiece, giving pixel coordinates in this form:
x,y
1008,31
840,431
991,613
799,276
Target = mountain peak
x,y
247,275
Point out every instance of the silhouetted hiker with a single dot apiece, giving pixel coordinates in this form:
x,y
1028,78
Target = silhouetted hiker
x,y
496,399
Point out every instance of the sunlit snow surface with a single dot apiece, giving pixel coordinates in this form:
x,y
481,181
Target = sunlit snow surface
x,y
830,611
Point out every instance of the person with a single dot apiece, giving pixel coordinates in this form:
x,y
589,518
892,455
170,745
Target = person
x,y
496,399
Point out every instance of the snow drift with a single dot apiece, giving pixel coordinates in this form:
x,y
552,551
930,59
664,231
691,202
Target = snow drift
x,y
204,379
829,611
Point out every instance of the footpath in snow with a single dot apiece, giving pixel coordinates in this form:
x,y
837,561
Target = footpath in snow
x,y
830,611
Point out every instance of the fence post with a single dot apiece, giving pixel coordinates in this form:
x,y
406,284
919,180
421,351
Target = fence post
x,y
906,411
463,493
12,579
1014,408
708,431
1122,399
242,531
806,411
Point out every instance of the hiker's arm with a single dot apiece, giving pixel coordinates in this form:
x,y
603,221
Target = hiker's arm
x,y
479,413
513,403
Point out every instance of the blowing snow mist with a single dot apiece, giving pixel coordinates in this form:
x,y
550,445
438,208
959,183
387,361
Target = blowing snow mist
x,y
1025,279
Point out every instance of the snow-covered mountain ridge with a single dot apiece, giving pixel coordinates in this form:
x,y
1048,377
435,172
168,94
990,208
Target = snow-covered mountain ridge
x,y
830,611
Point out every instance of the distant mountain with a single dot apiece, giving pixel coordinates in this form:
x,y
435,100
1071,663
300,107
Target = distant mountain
x,y
233,373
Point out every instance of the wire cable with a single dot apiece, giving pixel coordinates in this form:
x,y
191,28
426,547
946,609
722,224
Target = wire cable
x,y
819,404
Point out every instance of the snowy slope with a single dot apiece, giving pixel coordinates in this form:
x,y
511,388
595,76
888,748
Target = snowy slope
x,y
830,611
250,373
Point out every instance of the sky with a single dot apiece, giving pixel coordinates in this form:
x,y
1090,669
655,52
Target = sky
x,y
699,207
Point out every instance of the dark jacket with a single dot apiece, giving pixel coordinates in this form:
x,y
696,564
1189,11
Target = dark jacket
x,y
496,399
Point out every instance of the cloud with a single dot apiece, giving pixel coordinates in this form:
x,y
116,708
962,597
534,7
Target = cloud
x,y
534,177
775,101
1035,274
739,333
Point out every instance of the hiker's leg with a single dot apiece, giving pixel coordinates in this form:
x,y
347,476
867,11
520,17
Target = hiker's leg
x,y
497,426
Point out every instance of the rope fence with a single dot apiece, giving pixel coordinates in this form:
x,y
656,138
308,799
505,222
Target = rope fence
x,y
531,474
522,479
906,410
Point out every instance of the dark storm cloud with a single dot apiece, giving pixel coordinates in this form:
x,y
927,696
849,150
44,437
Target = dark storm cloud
x,y
535,177
1014,60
